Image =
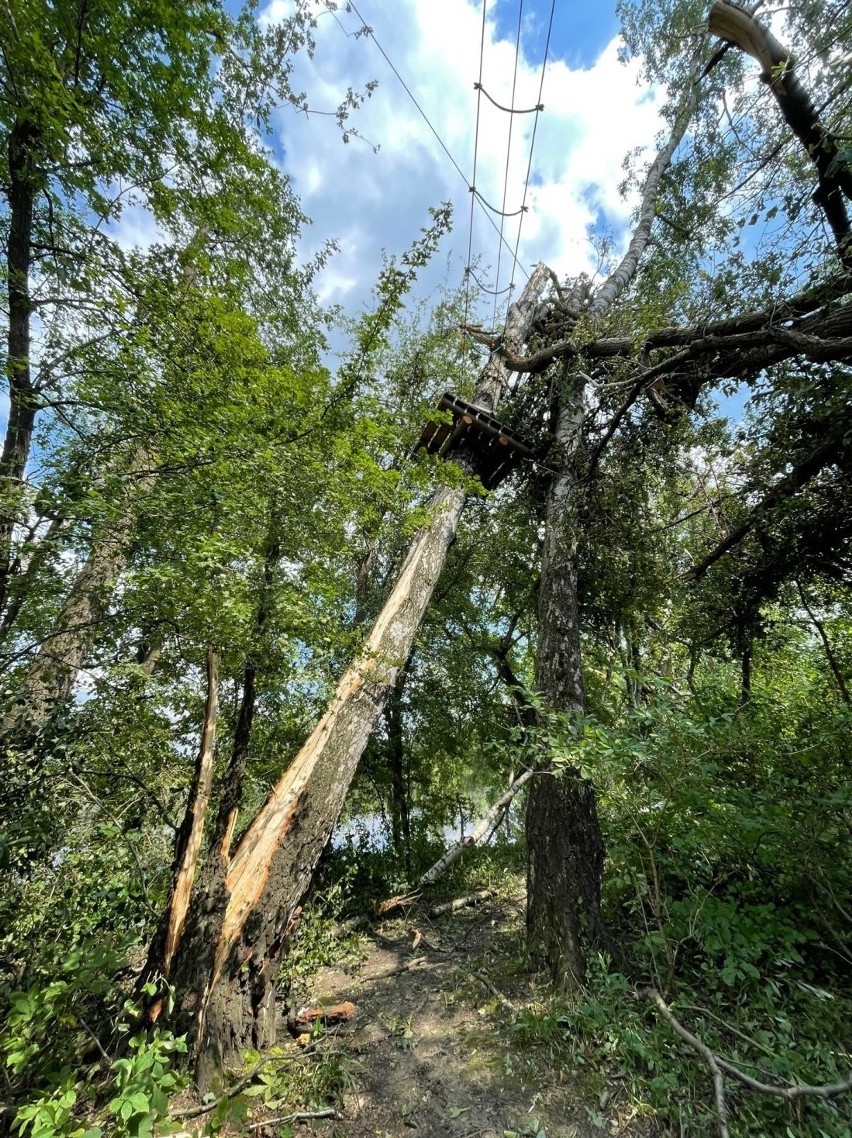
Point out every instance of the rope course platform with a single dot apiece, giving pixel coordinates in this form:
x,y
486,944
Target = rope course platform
x,y
496,450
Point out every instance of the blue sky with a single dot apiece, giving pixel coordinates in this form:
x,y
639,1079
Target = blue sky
x,y
580,30
374,201
595,112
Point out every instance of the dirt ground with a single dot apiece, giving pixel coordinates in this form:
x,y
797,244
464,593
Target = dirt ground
x,y
431,1046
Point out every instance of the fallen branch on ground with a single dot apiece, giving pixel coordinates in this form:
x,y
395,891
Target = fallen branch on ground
x,y
406,967
231,1092
703,1050
718,1065
241,1084
392,903
299,1116
504,1000
461,902
306,1018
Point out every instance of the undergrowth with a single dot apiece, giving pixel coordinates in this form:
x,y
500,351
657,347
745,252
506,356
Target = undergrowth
x,y
722,830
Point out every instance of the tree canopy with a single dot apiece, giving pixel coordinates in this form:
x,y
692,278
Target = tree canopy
x,y
216,544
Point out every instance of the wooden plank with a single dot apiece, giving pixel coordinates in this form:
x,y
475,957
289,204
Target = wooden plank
x,y
496,449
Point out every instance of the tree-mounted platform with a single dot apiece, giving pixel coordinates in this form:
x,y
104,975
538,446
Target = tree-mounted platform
x,y
496,450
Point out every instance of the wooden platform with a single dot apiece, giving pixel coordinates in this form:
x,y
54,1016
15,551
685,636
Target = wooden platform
x,y
496,450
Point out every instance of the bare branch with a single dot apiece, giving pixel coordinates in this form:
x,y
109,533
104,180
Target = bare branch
x,y
717,1065
703,1050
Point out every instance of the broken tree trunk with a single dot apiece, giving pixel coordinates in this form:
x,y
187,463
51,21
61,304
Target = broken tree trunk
x,y
737,26
188,841
224,971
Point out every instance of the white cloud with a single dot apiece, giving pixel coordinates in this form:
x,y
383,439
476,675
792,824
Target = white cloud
x,y
592,118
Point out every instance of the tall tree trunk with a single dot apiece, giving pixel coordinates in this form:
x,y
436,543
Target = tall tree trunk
x,y
565,849
225,970
22,396
54,670
50,678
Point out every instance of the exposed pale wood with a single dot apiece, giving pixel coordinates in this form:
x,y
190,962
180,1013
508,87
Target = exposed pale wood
x,y
225,848
461,902
276,857
388,644
306,1018
482,829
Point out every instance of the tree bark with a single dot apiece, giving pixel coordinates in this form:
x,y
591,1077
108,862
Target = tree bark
x,y
188,841
231,796
50,679
240,918
741,28
400,806
565,850
22,397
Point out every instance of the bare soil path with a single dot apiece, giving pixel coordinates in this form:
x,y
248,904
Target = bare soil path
x,y
431,1047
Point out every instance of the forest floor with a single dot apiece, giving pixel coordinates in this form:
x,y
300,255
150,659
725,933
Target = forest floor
x,y
434,1046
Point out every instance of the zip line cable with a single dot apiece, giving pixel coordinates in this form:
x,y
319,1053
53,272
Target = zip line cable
x,y
492,292
425,118
508,110
494,209
539,109
509,156
468,270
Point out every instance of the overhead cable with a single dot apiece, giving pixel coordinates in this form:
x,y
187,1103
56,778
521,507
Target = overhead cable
x,y
503,214
492,292
508,110
532,142
369,31
478,88
494,209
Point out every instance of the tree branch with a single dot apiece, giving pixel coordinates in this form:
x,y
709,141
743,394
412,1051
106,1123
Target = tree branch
x,y
740,28
801,474
718,1065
